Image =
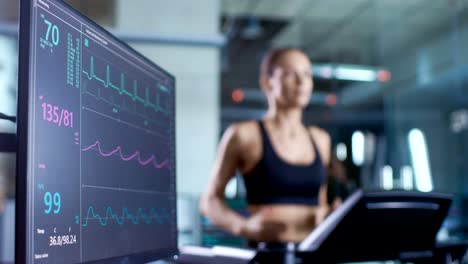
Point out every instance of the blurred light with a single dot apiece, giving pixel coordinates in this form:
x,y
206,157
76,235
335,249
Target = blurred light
x,y
406,174
237,95
420,159
341,151
331,99
345,73
350,72
231,252
459,120
443,235
387,177
231,188
326,72
384,75
357,145
198,251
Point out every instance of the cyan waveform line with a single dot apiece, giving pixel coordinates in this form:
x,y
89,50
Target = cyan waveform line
x,y
111,103
136,154
139,217
122,91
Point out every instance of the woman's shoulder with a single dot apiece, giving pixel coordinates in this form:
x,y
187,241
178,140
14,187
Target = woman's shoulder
x,y
319,133
244,139
244,131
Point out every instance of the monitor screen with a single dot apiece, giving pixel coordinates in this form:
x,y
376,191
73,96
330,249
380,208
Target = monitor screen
x,y
96,139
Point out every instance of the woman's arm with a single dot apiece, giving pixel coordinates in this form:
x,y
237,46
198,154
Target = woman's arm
x,y
232,151
323,209
212,203
323,143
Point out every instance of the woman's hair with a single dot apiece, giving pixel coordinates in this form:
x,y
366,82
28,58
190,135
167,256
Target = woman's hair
x,y
271,58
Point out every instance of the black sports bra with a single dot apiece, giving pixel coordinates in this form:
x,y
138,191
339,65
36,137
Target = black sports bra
x,y
274,181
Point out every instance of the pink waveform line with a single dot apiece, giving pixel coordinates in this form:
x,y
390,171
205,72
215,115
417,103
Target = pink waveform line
x,y
118,149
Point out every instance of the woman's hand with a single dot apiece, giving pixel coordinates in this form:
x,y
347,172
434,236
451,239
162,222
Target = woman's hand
x,y
259,228
321,213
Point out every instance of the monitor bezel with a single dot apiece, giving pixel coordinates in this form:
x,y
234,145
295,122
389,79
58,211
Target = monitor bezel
x,y
22,213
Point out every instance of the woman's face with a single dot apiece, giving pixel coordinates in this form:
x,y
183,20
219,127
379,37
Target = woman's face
x,y
291,81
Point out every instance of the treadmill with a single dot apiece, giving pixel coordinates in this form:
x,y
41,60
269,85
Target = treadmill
x,y
369,226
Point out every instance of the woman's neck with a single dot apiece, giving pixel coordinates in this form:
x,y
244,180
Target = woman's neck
x,y
285,118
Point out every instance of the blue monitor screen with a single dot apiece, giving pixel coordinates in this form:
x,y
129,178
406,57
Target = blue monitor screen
x,y
96,146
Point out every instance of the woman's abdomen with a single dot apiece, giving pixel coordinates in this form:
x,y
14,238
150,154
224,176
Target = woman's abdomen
x,y
299,220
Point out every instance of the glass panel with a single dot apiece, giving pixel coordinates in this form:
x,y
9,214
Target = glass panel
x,y
426,101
